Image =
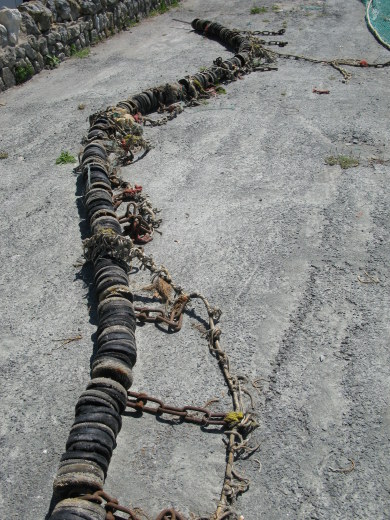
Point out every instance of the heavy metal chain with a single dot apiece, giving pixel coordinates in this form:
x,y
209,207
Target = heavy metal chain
x,y
207,418
239,423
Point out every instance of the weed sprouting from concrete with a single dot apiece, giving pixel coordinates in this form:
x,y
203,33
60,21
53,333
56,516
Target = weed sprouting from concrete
x,y
82,53
52,61
65,158
259,10
129,22
22,74
343,161
164,7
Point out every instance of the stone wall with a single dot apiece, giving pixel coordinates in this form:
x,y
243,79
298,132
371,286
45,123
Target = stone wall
x,y
40,34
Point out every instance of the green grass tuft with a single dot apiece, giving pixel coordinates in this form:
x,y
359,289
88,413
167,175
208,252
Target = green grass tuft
x,y
82,53
65,158
343,161
52,61
259,10
22,74
163,7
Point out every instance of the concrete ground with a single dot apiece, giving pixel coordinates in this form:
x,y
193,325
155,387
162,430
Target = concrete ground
x,y
253,218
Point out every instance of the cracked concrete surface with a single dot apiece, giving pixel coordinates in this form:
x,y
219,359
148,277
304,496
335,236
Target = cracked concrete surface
x,y
253,218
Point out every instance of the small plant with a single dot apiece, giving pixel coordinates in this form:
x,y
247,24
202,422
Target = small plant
x,y
276,8
343,161
258,10
220,90
163,7
52,61
65,158
22,74
82,53
283,93
284,24
131,23
3,155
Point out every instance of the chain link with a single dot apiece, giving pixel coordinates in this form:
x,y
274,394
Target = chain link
x,y
174,320
111,505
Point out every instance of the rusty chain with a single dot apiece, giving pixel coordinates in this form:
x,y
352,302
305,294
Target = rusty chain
x,y
207,418
240,423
